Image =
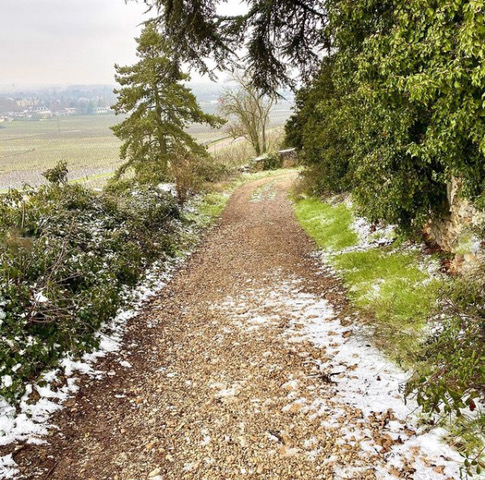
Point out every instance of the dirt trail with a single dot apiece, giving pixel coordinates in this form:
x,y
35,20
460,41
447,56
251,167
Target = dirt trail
x,y
224,382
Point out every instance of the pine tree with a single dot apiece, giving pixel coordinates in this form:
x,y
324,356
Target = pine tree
x,y
159,108
277,35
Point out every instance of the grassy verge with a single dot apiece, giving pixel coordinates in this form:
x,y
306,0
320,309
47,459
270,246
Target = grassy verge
x,y
329,226
385,282
402,300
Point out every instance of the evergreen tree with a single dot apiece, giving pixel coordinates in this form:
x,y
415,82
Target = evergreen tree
x,y
159,107
278,36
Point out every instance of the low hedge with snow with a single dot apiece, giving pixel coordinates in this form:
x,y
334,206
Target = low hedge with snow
x,y
68,258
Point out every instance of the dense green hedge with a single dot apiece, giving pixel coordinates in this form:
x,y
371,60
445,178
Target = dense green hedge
x,y
398,107
68,256
396,111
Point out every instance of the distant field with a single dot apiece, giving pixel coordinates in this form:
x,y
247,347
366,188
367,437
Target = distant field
x,y
28,148
86,143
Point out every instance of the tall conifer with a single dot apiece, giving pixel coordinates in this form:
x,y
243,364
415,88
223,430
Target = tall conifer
x,y
159,107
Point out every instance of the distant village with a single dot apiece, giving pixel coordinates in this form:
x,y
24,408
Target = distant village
x,y
49,103
45,103
41,113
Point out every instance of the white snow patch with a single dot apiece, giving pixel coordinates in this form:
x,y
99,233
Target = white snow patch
x,y
8,467
228,392
168,188
7,381
40,298
362,378
205,441
371,236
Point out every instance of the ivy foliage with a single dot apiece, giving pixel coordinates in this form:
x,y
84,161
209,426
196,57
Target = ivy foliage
x,y
398,108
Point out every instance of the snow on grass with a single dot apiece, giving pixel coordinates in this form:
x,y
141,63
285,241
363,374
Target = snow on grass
x,y
393,282
371,236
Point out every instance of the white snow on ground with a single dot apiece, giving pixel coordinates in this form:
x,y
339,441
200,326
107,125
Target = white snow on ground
x,y
362,378
370,235
168,188
7,467
378,235
265,192
30,421
373,385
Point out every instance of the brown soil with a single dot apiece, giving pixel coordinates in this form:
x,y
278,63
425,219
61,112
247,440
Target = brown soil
x,y
207,397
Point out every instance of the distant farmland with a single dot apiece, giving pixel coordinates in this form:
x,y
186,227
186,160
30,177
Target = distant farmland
x,y
86,143
28,148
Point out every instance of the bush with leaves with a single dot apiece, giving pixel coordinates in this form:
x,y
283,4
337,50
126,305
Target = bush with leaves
x,y
450,374
57,174
272,161
401,109
68,256
318,131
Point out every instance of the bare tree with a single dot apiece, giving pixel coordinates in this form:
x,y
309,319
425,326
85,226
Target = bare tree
x,y
247,108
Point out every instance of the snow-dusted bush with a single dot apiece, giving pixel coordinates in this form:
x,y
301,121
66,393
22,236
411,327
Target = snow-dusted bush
x,y
67,258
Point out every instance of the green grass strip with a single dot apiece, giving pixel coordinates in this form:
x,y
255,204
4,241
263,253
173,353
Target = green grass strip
x,y
329,225
385,283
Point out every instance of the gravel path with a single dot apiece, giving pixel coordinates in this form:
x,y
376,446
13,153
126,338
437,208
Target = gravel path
x,y
242,368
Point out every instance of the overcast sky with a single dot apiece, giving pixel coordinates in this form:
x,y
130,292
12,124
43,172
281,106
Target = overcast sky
x,y
61,42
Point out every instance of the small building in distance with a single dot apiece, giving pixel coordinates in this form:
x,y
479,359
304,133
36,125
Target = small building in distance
x,y
39,113
67,112
288,158
102,110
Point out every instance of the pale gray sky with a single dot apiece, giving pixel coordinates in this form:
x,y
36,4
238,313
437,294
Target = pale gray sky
x,y
60,42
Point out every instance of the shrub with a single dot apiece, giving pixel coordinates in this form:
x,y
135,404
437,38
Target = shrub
x,y
449,379
317,130
272,161
191,173
67,257
57,174
452,372
397,108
